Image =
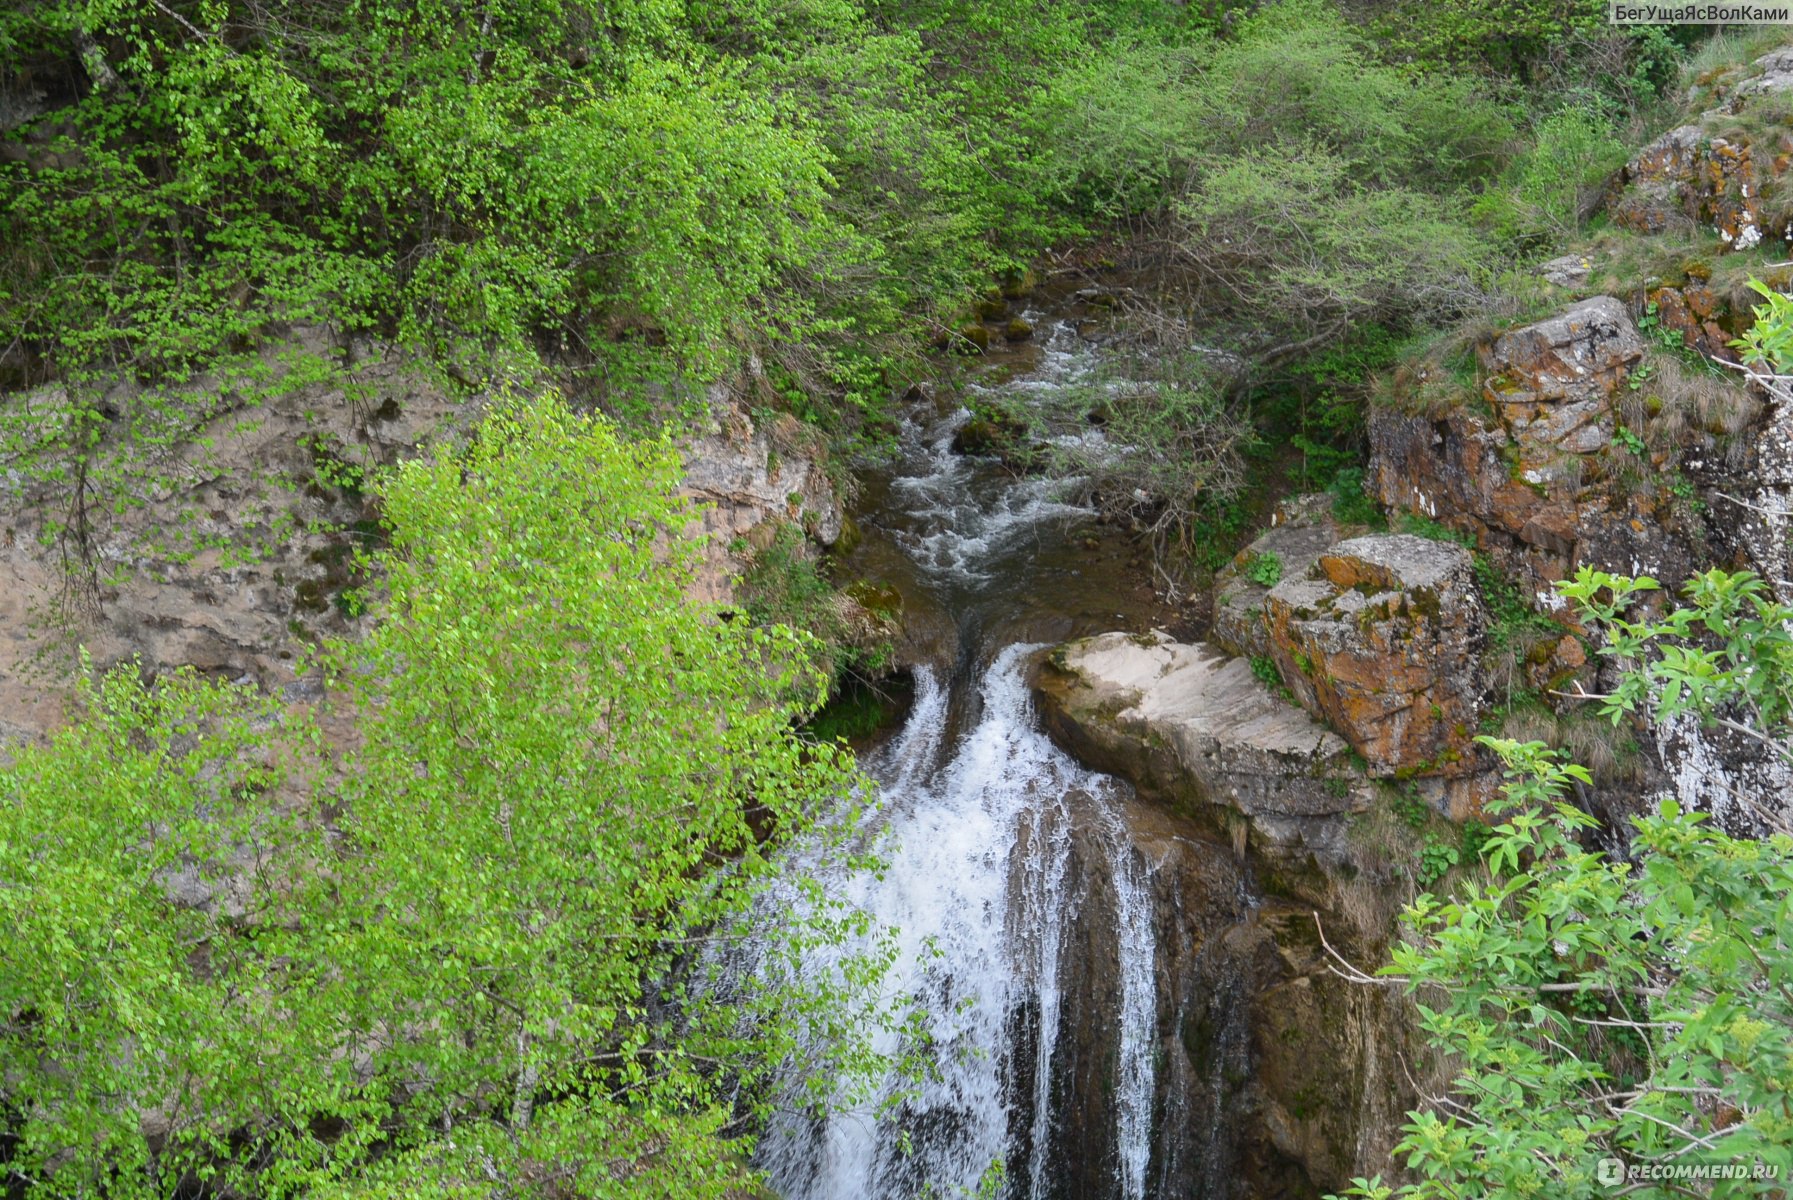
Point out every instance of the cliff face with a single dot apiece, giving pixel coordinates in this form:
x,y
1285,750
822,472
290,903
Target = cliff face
x,y
1366,663
1276,1074
1579,450
1537,465
240,549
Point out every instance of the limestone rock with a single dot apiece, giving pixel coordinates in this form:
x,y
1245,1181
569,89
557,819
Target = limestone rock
x,y
1303,529
1195,726
1382,639
1652,196
1775,74
1530,476
1571,270
750,479
1579,355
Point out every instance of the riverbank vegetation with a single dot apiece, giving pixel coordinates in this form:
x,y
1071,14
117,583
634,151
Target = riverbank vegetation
x,y
461,951
1604,1015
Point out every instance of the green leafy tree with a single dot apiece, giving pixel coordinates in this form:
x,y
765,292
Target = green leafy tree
x,y
467,957
148,982
1301,191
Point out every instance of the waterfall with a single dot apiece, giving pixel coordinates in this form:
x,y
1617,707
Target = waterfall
x,y
1023,911
1139,1015
979,855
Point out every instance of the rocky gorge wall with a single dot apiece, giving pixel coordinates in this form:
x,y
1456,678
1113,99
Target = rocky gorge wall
x,y
1281,1077
241,551
1348,671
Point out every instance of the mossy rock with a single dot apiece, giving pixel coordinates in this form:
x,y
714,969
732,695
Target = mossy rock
x,y
310,596
1018,330
850,536
881,600
972,337
1019,284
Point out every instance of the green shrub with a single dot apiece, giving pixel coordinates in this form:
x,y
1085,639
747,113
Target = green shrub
x,y
1548,192
1436,858
1308,191
1186,438
1352,503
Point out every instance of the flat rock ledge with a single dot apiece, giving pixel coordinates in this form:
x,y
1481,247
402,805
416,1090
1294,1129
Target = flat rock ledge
x,y
1192,726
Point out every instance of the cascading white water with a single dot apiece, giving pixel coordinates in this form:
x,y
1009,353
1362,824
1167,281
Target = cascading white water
x,y
976,885
959,518
1139,1015
982,840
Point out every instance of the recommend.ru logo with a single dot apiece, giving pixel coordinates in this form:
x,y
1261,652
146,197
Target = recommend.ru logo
x,y
1613,1171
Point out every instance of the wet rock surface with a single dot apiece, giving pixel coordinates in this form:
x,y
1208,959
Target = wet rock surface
x,y
1272,1072
1277,1077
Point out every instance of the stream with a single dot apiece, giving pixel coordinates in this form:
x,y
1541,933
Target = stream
x,y
1083,1032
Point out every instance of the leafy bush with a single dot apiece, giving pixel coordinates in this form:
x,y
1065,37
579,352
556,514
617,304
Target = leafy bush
x,y
1505,38
446,950
1436,858
785,584
1550,190
1599,1008
1305,190
1174,442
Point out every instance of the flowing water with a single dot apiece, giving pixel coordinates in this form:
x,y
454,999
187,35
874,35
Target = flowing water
x,y
1023,905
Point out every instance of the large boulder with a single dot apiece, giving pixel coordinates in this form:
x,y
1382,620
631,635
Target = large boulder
x,y
1553,382
1382,638
1300,532
1195,727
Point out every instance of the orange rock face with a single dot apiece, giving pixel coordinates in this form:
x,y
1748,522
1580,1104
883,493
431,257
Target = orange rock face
x,y
1711,173
1694,312
1524,474
1382,638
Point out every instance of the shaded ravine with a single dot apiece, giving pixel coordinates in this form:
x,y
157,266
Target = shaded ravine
x,y
1084,1032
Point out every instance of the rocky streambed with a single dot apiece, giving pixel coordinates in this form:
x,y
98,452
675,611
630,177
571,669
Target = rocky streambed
x,y
1106,849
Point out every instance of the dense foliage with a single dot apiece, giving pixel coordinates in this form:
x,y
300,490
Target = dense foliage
x,y
1601,1009
448,963
458,945
203,200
